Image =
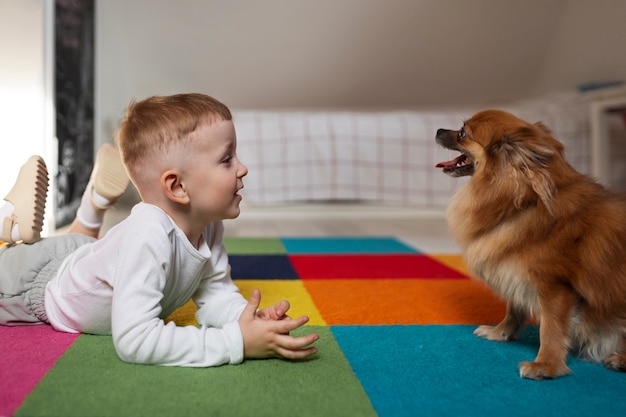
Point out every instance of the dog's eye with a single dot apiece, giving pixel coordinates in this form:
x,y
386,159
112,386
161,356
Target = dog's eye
x,y
462,133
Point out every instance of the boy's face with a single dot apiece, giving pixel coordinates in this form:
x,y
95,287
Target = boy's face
x,y
214,174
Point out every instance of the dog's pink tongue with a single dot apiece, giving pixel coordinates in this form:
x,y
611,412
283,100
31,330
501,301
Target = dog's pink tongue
x,y
450,163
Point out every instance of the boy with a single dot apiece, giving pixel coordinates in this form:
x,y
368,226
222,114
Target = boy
x,y
180,153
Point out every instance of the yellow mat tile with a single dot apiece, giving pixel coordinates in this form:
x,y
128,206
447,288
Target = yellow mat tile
x,y
452,261
272,291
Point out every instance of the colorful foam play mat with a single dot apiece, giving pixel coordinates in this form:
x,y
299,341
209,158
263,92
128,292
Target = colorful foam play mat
x,y
395,326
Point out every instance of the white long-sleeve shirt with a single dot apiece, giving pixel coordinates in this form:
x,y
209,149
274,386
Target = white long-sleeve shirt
x,y
126,283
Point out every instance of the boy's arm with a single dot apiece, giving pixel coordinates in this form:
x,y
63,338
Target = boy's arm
x,y
141,336
218,299
139,333
219,302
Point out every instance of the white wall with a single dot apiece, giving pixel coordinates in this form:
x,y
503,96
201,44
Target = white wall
x,y
26,108
588,44
352,53
357,54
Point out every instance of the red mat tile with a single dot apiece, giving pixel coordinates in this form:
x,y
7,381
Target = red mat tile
x,y
371,266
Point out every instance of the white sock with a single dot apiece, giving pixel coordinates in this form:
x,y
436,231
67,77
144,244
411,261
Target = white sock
x,y
88,215
15,233
7,210
101,201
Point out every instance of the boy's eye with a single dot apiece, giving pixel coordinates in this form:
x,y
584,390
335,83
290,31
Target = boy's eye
x,y
227,159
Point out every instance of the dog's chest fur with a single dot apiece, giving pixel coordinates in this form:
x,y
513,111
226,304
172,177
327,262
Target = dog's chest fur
x,y
491,255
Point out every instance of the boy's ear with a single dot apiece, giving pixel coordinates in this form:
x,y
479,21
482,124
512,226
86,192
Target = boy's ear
x,y
173,188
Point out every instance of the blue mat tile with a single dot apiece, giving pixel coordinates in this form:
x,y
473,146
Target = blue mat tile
x,y
261,267
447,371
337,245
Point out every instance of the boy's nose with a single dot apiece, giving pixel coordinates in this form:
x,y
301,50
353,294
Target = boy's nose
x,y
243,170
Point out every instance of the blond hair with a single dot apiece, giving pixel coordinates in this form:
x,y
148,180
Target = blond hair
x,y
157,123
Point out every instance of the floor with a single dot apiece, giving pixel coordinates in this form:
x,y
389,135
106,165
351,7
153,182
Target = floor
x,y
426,230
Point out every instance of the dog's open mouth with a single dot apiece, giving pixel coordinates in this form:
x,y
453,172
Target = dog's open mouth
x,y
460,166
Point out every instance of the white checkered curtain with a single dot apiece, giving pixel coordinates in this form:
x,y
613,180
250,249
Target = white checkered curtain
x,y
379,157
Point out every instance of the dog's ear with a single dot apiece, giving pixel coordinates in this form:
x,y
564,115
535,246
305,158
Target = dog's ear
x,y
543,128
529,150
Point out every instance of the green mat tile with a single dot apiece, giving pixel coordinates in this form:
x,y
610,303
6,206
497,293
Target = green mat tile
x,y
254,246
89,380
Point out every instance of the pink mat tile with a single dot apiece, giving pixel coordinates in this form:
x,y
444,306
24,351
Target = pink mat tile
x,y
26,355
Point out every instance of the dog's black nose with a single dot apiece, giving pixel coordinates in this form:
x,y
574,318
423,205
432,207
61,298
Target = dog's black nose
x,y
441,131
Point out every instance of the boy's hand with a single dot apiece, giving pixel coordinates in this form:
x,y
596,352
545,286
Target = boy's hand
x,y
264,338
276,312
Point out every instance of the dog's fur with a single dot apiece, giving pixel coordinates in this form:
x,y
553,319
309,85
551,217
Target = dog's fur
x,y
547,239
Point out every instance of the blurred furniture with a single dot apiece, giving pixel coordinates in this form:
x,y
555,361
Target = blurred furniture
x,y
601,104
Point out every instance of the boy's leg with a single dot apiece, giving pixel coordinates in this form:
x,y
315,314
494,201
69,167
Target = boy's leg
x,y
22,214
106,185
25,270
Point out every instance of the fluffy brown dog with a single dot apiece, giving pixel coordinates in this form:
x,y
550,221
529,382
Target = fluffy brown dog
x,y
547,239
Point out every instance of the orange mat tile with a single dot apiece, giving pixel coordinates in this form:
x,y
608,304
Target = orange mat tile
x,y
404,301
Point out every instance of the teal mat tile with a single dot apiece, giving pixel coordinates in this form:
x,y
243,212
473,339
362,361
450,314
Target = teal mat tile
x,y
447,371
337,245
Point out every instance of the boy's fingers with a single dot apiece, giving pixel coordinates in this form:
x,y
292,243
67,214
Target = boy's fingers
x,y
253,303
297,347
300,342
281,308
285,326
255,297
297,354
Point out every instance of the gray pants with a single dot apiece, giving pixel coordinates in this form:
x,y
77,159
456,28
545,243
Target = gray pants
x,y
25,270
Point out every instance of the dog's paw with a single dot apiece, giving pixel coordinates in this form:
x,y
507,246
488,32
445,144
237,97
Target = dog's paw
x,y
542,370
493,333
616,362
